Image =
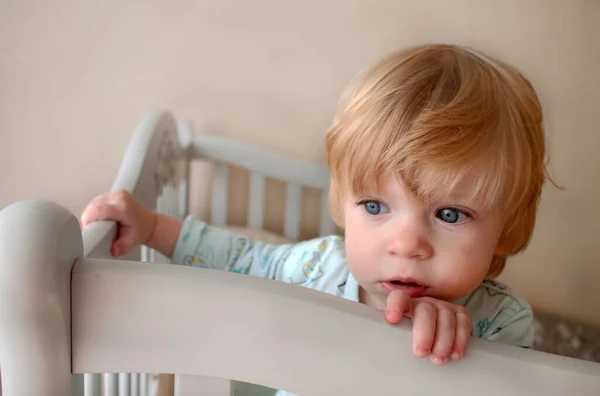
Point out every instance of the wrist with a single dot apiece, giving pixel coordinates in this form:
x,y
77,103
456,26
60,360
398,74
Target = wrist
x,y
164,233
152,221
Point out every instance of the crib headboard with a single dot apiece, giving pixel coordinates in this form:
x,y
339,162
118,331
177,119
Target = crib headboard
x,y
67,307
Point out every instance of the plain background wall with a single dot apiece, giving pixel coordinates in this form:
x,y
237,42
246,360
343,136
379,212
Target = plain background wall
x,y
76,77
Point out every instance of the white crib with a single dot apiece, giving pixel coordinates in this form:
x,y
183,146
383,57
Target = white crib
x,y
76,321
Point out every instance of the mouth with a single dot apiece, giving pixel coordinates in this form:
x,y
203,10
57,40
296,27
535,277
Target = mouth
x,y
410,286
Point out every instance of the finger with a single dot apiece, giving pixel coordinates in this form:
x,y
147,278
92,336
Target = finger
x,y
125,241
464,327
445,333
86,217
398,303
89,214
424,324
101,210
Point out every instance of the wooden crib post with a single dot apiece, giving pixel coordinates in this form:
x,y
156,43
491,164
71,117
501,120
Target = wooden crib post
x,y
39,243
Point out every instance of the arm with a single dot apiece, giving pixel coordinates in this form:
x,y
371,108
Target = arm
x,y
164,235
202,245
189,242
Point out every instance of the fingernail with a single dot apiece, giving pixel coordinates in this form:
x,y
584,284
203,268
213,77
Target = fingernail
x,y
438,360
117,252
393,314
456,355
423,352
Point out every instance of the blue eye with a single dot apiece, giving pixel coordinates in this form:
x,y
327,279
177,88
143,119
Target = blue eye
x,y
375,208
451,215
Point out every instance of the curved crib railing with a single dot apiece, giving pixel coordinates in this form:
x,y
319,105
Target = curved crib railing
x,y
155,169
69,314
67,307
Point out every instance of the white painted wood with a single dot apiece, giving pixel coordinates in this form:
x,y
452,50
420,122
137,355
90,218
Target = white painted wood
x,y
256,202
193,385
39,242
143,384
124,387
285,347
327,226
135,385
92,384
185,131
267,163
293,209
159,204
173,204
220,194
169,201
77,385
110,384
175,200
137,172
111,308
183,197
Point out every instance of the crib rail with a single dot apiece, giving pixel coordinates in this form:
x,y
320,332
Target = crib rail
x,y
155,166
64,314
67,306
262,164
155,169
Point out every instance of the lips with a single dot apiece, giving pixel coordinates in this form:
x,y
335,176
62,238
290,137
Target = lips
x,y
410,286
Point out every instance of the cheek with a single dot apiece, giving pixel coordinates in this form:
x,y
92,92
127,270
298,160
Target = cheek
x,y
469,265
357,245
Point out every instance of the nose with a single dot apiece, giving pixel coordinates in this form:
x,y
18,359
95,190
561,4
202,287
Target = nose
x,y
410,240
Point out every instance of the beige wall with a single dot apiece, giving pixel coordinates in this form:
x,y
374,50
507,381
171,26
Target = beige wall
x,y
75,78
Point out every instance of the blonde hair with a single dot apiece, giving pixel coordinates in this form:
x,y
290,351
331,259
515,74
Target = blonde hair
x,y
431,115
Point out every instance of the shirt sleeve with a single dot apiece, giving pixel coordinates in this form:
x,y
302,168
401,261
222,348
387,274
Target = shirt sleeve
x,y
202,245
515,328
206,246
500,314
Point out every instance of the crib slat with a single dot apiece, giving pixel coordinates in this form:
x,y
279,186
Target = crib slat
x,y
134,385
174,205
143,384
173,202
219,195
144,253
327,226
167,200
183,198
110,384
124,384
293,203
92,385
77,385
192,385
256,203
185,134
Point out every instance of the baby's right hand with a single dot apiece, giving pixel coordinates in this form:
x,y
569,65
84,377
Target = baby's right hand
x,y
135,222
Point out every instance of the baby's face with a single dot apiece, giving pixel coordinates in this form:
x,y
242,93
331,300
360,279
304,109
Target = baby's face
x,y
394,242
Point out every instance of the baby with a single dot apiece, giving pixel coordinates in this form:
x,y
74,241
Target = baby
x,y
437,163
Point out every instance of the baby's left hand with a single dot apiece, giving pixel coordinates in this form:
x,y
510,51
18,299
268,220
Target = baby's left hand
x,y
440,328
